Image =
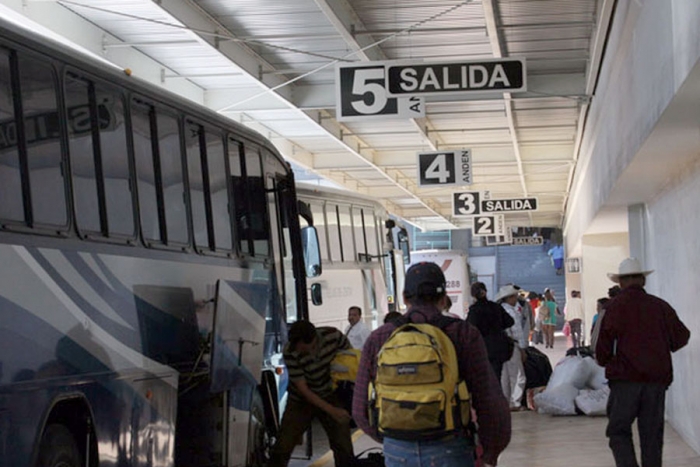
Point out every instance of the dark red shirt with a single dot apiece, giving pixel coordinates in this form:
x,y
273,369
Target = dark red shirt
x,y
491,407
637,335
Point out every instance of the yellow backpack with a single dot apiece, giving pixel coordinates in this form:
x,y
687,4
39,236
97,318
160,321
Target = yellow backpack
x,y
417,392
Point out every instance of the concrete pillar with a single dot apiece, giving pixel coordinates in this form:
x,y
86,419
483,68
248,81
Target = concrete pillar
x,y
601,254
638,232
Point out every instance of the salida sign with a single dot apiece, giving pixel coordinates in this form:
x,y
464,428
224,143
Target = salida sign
x,y
504,75
509,205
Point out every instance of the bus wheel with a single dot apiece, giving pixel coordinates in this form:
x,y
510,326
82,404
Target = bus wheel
x,y
58,448
258,437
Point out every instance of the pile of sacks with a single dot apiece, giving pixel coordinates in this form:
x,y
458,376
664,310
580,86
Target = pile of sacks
x,y
576,383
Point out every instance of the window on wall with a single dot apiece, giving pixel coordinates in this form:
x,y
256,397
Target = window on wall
x,y
99,158
32,185
159,175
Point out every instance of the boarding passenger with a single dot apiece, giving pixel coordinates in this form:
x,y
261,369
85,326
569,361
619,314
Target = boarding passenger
x,y
636,339
308,356
424,291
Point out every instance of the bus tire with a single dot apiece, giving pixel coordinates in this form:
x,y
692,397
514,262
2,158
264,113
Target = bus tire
x,y
258,436
58,448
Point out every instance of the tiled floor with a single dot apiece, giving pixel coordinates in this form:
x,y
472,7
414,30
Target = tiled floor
x,y
541,440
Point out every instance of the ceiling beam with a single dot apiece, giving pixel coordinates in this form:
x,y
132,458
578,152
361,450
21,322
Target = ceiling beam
x,y
195,18
490,15
345,20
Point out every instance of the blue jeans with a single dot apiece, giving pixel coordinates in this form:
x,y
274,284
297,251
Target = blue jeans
x,y
447,452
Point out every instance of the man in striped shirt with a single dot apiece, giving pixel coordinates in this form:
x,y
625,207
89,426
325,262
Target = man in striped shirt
x,y
308,356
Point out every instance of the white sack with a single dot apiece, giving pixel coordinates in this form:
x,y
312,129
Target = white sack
x,y
593,402
557,400
571,370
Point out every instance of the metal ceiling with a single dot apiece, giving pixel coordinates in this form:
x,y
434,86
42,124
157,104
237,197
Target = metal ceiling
x,y
270,64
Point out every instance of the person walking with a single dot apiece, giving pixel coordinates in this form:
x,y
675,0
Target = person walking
x,y
424,291
491,320
637,336
308,356
550,322
574,313
513,378
357,331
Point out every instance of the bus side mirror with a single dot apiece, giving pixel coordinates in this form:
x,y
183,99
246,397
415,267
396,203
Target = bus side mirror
x,y
316,296
312,251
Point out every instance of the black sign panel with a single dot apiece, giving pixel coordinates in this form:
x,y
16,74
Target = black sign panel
x,y
506,75
523,241
361,92
508,205
466,203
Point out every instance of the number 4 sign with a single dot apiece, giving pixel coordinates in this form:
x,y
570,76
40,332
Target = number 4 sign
x,y
445,168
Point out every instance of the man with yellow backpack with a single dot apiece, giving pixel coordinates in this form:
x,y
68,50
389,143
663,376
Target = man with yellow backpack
x,y
418,378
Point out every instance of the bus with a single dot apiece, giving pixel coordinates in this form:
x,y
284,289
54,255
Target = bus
x,y
363,251
151,255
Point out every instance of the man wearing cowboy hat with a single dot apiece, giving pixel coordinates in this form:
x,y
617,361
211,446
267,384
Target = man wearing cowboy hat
x,y
513,373
636,339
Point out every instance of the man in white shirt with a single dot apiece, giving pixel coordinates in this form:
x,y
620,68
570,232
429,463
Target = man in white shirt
x,y
357,332
575,313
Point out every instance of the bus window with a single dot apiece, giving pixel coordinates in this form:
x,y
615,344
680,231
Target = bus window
x,y
172,175
320,224
346,241
82,154
255,193
115,162
99,158
194,135
158,159
12,206
359,231
218,191
240,209
336,251
146,185
371,232
42,136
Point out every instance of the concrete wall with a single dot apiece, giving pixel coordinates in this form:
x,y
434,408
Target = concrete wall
x,y
673,251
601,254
653,45
651,58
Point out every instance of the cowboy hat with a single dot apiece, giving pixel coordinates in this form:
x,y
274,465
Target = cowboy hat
x,y
628,267
505,291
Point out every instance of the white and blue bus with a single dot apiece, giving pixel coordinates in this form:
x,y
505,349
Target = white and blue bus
x,y
151,255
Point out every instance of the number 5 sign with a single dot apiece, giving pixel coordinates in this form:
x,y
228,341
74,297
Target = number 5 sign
x,y
445,168
361,94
